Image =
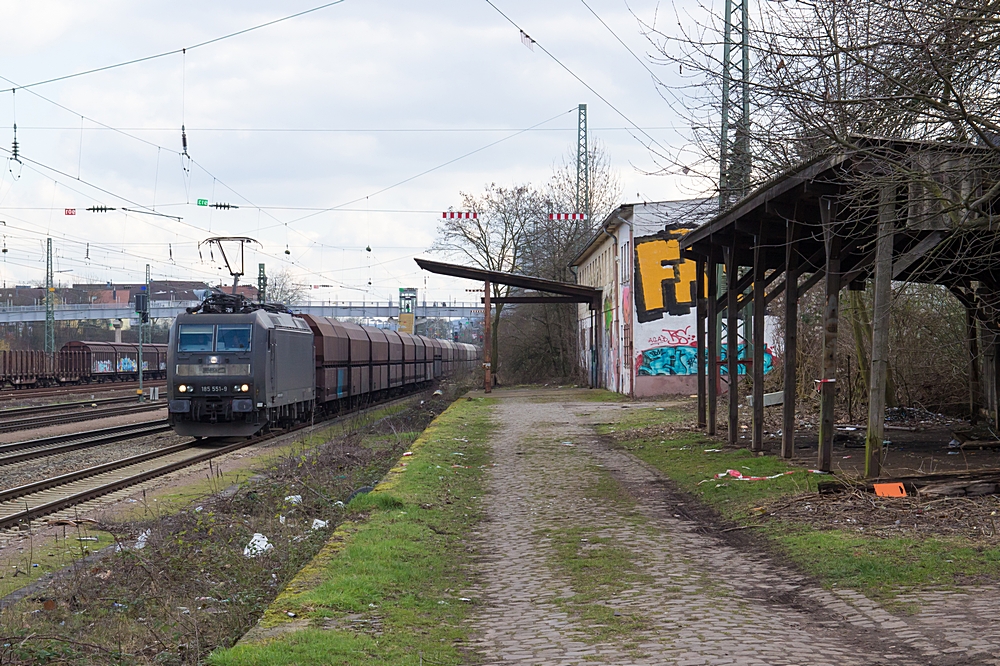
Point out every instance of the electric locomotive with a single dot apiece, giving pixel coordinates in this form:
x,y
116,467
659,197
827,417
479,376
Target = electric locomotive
x,y
234,366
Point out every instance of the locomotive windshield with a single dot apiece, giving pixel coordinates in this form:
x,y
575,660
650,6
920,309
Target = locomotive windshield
x,y
194,337
232,338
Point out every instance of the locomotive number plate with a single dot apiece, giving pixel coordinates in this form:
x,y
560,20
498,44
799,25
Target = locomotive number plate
x,y
214,389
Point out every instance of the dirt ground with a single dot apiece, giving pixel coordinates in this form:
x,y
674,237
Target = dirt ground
x,y
678,587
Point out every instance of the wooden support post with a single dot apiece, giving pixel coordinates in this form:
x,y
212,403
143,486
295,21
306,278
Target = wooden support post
x,y
732,344
880,331
700,306
487,342
995,344
759,264
713,346
831,321
791,340
973,340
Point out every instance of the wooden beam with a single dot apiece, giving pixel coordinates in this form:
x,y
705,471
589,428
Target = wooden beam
x,y
880,331
831,321
732,346
741,286
917,252
791,340
713,346
973,347
700,307
487,340
802,265
757,438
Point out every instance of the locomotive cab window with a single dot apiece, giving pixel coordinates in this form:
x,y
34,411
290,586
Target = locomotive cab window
x,y
232,338
195,337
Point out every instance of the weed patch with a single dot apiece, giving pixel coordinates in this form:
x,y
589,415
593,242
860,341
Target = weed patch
x,y
389,587
182,583
876,558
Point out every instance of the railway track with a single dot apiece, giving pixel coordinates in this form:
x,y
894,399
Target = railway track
x,y
62,406
28,422
27,502
21,505
22,394
49,446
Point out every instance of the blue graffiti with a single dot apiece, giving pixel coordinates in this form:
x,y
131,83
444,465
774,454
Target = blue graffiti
x,y
683,360
741,355
680,360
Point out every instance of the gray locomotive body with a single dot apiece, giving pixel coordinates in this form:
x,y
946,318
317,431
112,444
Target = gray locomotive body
x,y
231,373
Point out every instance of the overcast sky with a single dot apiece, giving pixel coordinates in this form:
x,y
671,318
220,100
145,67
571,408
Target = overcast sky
x,y
331,110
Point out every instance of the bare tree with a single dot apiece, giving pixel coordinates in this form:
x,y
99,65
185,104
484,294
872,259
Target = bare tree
x,y
282,288
542,339
495,239
605,186
856,76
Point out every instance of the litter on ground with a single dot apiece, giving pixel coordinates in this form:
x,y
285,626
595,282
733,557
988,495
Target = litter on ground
x,y
258,546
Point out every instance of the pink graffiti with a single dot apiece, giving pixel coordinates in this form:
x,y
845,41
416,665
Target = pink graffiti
x,y
674,338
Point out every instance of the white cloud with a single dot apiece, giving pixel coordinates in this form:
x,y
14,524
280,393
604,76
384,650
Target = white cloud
x,y
361,66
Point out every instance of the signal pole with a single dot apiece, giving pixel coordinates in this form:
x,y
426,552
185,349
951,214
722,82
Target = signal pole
x,y
261,284
148,329
50,304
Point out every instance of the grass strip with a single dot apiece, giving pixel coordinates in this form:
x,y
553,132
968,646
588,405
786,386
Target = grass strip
x,y
388,585
880,566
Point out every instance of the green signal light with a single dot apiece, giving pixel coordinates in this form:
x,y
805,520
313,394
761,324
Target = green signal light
x,y
202,202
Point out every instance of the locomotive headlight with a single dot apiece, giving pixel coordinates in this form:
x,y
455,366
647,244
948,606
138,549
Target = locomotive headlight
x,y
245,388
182,389
213,359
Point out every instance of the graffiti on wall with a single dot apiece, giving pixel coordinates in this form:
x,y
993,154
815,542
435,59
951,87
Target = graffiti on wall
x,y
679,360
664,282
674,352
741,354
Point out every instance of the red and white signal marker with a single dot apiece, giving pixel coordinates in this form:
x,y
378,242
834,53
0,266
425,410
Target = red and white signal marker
x,y
567,216
69,211
459,215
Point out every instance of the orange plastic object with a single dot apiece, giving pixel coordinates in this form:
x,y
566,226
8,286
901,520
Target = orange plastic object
x,y
890,489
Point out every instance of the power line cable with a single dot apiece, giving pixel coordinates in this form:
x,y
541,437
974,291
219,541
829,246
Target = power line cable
x,y
584,83
432,169
175,51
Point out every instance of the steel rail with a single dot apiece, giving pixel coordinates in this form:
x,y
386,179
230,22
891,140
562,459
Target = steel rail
x,y
29,513
55,419
62,406
44,392
41,448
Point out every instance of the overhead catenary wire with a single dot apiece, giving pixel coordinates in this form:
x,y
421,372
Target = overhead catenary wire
x,y
174,51
584,83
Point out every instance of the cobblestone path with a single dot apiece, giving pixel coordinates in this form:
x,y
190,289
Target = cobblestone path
x,y
684,595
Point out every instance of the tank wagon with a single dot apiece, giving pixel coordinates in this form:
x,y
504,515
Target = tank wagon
x,y
234,367
82,363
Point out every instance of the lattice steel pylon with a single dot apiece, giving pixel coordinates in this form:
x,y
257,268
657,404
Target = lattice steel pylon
x,y
734,148
261,284
582,164
50,303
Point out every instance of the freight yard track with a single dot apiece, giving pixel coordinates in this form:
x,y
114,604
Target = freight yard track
x,y
21,505
27,393
46,419
47,446
30,501
62,406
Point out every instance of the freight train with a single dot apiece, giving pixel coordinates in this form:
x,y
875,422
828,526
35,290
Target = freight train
x,y
80,362
235,367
